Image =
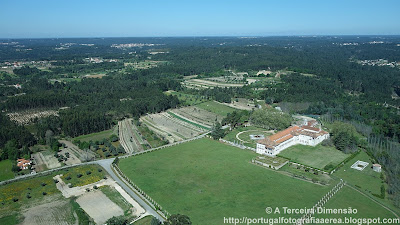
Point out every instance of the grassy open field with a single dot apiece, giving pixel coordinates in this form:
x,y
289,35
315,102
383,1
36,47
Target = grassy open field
x,y
244,135
95,136
366,208
367,179
318,156
144,221
5,170
216,108
205,177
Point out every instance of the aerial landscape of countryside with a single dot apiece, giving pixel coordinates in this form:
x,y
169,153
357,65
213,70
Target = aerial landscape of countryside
x,y
199,112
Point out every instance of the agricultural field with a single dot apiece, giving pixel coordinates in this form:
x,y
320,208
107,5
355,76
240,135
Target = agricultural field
x,y
198,115
242,104
216,178
5,169
172,128
242,135
317,157
83,175
129,136
37,200
146,64
151,137
211,83
27,117
216,107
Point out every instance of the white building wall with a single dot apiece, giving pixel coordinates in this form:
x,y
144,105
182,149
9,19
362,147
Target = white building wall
x,y
300,139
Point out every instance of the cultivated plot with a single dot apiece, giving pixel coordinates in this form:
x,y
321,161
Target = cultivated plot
x,y
170,127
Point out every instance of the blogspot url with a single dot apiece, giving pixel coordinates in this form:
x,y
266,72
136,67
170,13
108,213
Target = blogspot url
x,y
312,220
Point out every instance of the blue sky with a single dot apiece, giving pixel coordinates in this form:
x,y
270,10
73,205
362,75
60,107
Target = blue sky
x,y
132,18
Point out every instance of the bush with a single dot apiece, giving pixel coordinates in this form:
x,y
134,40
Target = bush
x,y
79,175
95,187
28,196
100,170
43,184
55,181
88,172
68,178
44,193
329,167
15,199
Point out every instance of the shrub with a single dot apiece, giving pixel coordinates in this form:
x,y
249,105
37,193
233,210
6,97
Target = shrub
x,y
100,170
55,181
15,199
68,178
43,184
95,187
28,196
79,175
44,193
88,172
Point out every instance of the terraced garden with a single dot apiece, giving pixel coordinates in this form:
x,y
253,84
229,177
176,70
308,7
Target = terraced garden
x,y
171,127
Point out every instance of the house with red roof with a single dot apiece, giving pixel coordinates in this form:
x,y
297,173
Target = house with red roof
x,y
23,164
306,134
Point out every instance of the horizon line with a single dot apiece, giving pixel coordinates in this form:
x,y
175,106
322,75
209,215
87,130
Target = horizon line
x,y
202,36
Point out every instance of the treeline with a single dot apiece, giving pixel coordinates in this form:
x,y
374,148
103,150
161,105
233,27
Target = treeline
x,y
18,136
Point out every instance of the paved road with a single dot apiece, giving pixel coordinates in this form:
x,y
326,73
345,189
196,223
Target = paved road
x,y
107,165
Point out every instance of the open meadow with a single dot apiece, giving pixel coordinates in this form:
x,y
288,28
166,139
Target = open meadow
x,y
216,107
318,156
205,177
5,169
366,208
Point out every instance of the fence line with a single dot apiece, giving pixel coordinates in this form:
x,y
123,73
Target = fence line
x,y
152,202
321,203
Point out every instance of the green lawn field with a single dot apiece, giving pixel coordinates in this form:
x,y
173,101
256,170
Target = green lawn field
x,y
366,208
318,156
5,170
208,180
216,108
245,135
367,179
95,136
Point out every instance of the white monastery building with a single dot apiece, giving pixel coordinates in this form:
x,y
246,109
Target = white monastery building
x,y
306,134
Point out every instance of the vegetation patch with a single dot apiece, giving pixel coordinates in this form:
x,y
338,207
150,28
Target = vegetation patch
x,y
5,169
205,177
95,136
83,175
318,157
366,208
215,107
